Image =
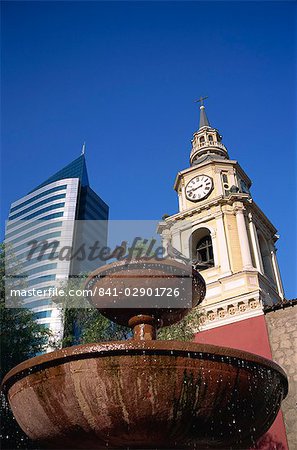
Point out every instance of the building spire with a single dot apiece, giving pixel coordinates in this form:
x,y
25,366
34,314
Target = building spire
x,y
206,142
204,122
83,149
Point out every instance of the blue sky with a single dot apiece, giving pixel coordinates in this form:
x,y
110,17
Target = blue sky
x,y
124,76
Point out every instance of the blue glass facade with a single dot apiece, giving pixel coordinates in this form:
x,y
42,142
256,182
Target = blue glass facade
x,y
36,205
39,303
76,169
36,197
40,238
48,217
40,269
40,280
70,200
40,212
91,206
33,232
43,314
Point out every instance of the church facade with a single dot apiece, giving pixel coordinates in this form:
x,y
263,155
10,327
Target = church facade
x,y
232,242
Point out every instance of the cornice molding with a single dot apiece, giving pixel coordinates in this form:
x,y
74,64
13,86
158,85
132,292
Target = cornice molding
x,y
231,310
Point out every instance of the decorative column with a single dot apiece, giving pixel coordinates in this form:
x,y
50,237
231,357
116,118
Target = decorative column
x,y
255,244
222,245
183,197
166,235
186,242
219,186
213,236
176,240
277,274
179,201
243,238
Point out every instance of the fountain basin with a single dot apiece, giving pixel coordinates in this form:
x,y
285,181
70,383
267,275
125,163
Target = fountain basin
x,y
123,283
146,394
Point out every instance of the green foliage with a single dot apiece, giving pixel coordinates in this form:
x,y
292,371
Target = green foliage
x,y
183,330
98,328
21,338
84,324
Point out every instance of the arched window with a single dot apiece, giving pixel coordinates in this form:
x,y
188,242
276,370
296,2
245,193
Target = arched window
x,y
210,138
202,140
202,249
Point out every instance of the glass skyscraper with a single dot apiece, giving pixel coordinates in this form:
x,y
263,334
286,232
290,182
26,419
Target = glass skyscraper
x,y
57,210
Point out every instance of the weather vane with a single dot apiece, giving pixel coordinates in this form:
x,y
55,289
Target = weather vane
x,y
201,100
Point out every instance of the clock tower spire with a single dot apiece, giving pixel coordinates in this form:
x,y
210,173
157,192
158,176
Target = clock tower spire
x,y
204,122
203,117
207,141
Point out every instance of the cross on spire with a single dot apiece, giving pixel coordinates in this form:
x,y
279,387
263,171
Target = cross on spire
x,y
201,100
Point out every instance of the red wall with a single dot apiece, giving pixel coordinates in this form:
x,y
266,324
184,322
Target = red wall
x,y
249,335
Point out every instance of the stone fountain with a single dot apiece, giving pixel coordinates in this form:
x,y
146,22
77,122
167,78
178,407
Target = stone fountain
x,y
144,393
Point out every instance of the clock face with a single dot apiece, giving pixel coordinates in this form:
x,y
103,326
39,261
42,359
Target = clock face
x,y
198,188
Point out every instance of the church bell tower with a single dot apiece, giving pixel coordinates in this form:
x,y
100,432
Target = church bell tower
x,y
222,229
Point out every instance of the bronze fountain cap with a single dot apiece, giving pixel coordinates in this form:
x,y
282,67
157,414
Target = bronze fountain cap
x,y
146,275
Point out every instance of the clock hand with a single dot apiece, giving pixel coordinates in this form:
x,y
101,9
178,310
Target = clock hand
x,y
192,190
